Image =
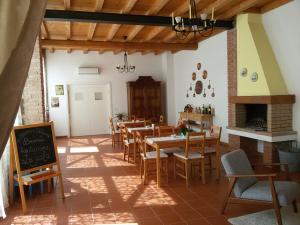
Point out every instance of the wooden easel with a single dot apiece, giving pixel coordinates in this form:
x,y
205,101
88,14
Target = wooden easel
x,y
33,174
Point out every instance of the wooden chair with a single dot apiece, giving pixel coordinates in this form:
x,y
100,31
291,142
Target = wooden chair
x,y
247,189
211,150
115,135
148,158
128,144
165,130
193,154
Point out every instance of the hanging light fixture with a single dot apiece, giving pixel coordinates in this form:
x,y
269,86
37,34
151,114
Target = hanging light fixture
x,y
194,24
125,68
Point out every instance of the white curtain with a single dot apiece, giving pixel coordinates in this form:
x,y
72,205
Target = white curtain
x,y
4,169
20,22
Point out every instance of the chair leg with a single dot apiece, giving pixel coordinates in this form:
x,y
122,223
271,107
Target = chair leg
x,y
167,170
141,168
229,191
124,152
275,202
174,168
202,168
128,153
295,206
145,172
210,163
187,173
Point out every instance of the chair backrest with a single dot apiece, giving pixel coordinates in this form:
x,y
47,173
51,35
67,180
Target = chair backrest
x,y
195,142
237,163
216,131
140,140
125,135
111,125
165,130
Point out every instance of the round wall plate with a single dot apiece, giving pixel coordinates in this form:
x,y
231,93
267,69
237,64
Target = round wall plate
x,y
254,77
198,87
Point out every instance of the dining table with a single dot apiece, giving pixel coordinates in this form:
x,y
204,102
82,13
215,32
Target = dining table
x,y
130,123
179,141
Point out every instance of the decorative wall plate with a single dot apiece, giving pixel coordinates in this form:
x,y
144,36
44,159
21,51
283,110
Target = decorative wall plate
x,y
254,77
198,66
204,74
193,76
198,87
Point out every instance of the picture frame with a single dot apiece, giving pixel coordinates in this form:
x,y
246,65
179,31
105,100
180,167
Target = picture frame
x,y
59,89
54,102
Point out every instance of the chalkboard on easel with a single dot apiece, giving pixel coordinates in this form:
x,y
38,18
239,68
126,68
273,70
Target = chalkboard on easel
x,y
34,156
35,147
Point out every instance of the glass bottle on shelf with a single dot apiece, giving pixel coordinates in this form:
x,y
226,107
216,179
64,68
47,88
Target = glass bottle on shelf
x,y
209,109
203,109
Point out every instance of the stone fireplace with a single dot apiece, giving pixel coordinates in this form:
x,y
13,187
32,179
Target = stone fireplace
x,y
258,122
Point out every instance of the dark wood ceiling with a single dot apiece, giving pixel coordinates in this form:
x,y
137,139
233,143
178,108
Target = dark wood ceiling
x,y
145,39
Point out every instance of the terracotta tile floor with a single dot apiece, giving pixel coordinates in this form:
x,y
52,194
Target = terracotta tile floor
x,y
103,189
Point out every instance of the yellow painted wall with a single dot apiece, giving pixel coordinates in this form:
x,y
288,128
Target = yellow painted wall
x,y
255,53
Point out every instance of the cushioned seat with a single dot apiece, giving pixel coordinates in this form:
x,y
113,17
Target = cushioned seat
x,y
153,155
192,155
287,191
130,141
209,150
170,150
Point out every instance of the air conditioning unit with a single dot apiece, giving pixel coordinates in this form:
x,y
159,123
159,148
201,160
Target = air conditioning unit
x,y
88,70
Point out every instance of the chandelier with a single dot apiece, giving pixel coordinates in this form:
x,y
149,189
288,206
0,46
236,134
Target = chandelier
x,y
194,24
125,68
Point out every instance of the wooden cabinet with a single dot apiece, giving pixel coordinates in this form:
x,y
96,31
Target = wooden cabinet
x,y
144,98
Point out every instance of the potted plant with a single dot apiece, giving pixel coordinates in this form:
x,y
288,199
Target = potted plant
x,y
182,126
120,116
289,153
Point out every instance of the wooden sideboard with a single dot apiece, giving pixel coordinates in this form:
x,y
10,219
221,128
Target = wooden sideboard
x,y
204,121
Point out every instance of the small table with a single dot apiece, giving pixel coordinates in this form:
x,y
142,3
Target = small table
x,y
130,123
178,141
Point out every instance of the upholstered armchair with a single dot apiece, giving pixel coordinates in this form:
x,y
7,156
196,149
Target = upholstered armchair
x,y
247,189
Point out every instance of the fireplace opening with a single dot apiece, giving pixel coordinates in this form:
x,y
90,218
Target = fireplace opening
x,y
256,116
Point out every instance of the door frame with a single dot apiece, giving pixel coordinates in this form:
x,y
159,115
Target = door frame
x,y
107,84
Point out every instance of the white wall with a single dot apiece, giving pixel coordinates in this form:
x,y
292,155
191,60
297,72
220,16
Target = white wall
x,y
212,54
283,29
62,69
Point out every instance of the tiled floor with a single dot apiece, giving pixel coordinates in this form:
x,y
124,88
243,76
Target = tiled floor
x,y
103,189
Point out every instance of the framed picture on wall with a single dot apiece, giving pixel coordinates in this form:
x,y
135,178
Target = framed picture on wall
x,y
59,89
55,102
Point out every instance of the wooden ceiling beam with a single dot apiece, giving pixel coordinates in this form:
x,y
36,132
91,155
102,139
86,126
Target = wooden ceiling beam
x,y
273,5
115,27
67,6
146,52
44,31
104,45
158,52
116,52
239,8
98,7
156,7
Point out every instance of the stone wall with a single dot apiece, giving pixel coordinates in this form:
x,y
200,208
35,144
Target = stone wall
x,y
32,105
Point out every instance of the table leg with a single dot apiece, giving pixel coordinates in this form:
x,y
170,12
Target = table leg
x,y
158,165
134,148
218,161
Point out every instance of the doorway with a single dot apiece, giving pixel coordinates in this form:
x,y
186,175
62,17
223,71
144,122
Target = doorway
x,y
89,109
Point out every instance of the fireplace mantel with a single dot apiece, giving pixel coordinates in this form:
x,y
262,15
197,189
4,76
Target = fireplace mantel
x,y
274,99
